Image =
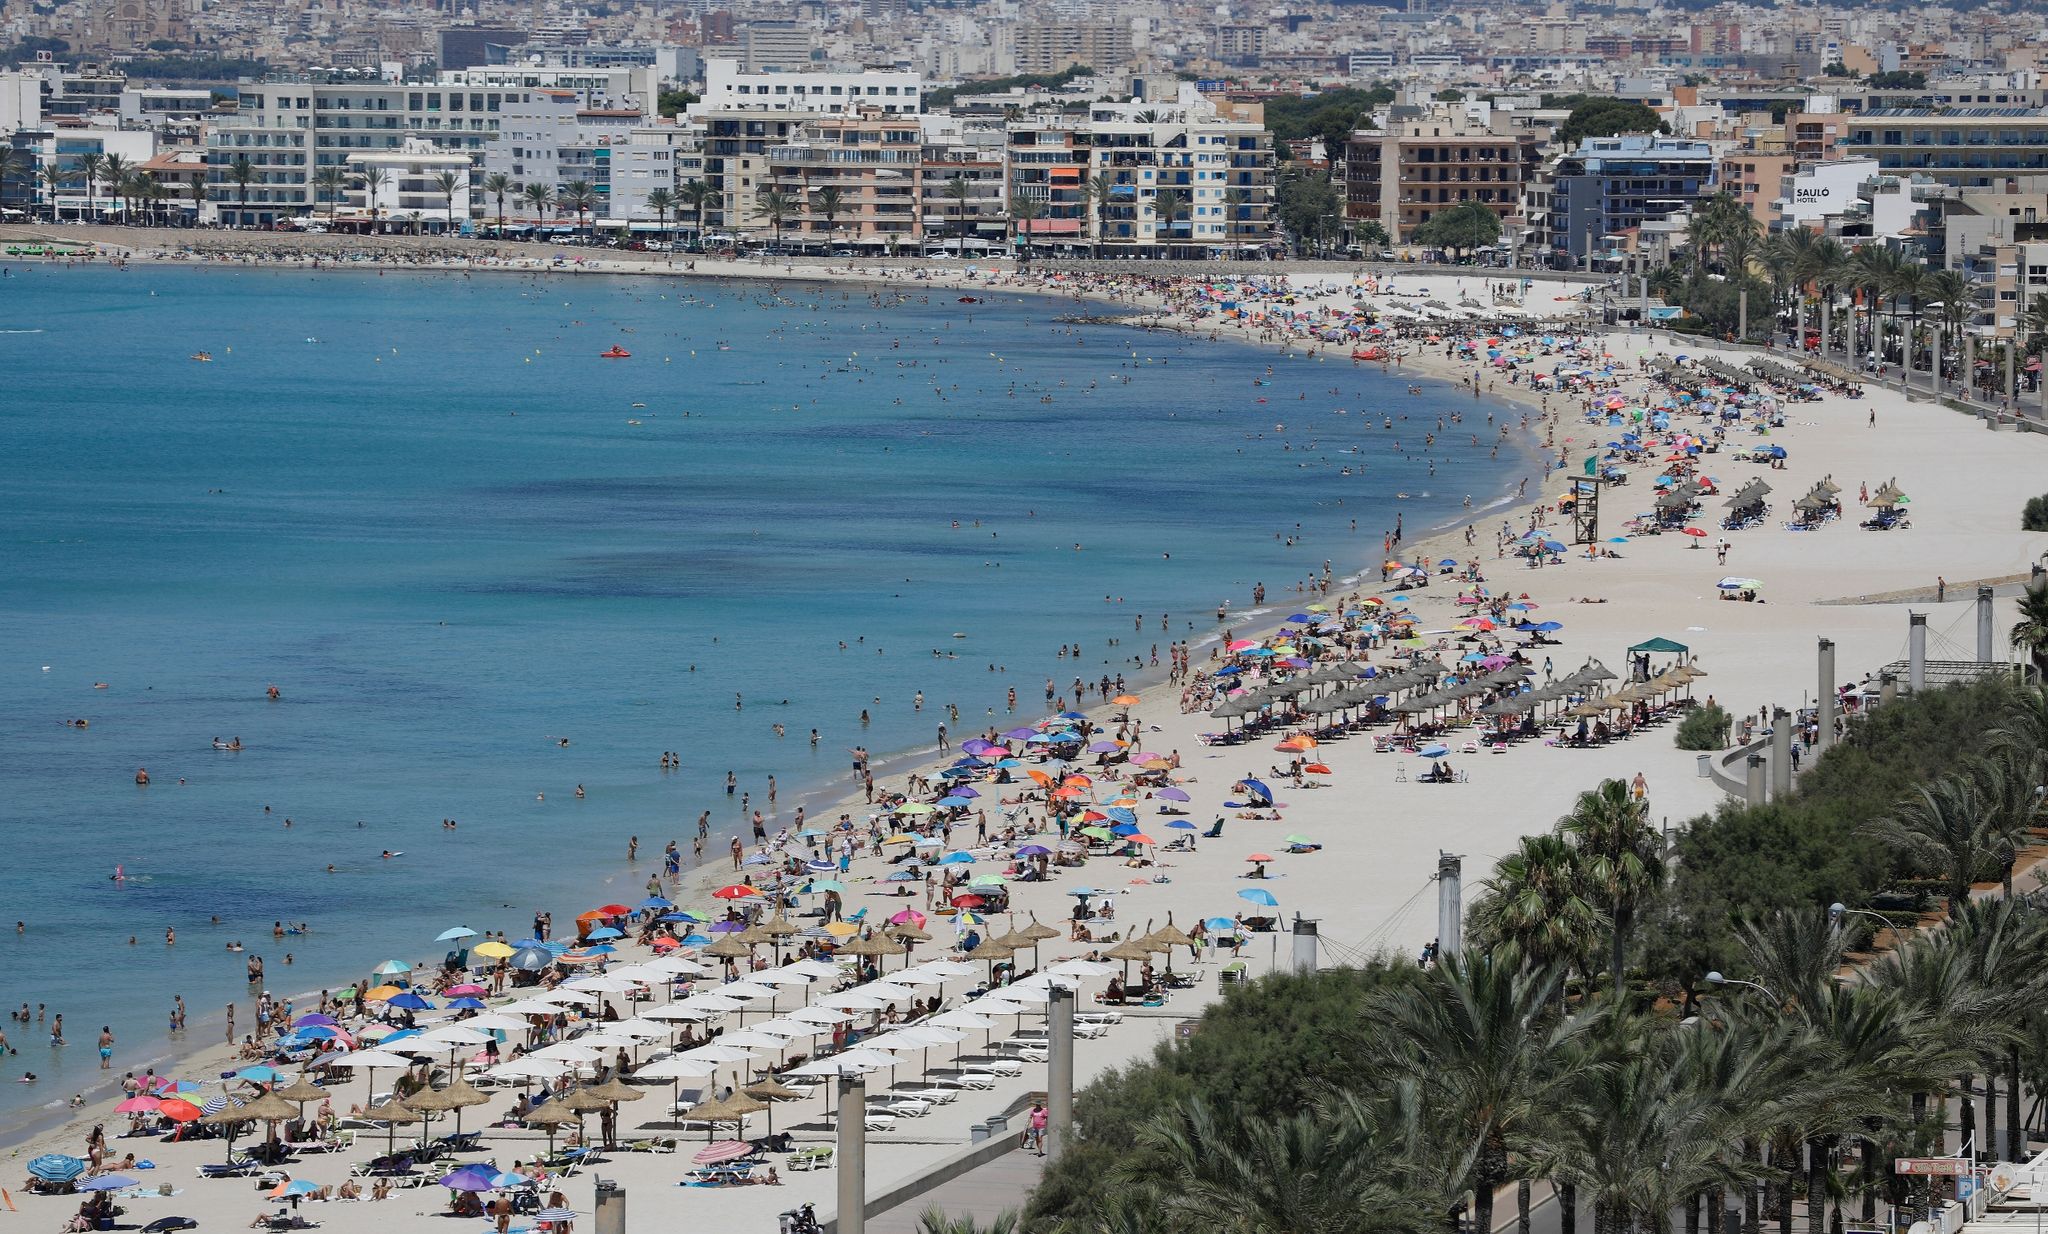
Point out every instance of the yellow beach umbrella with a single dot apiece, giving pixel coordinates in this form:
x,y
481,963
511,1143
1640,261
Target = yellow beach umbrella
x,y
492,950
383,993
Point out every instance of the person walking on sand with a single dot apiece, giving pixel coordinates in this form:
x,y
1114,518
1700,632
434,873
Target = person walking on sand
x,y
739,852
1940,589
106,1047
1034,1128
1640,786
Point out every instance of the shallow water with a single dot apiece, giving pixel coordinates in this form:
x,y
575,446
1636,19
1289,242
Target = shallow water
x,y
420,507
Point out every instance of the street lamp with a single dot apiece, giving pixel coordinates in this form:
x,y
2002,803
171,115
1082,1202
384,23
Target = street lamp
x,y
1837,910
1718,979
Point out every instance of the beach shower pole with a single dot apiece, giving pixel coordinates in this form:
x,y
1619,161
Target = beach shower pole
x,y
1916,652
1450,903
852,1155
1742,317
1753,793
1781,752
1824,731
1969,366
1304,944
1827,326
1059,1072
1934,368
1984,640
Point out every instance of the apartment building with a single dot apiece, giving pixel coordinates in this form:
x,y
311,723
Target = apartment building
x,y
1430,159
871,161
1611,185
418,186
290,130
1969,147
1056,47
1216,174
745,115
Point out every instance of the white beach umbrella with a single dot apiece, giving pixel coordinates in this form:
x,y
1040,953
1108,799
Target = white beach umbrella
x,y
603,983
532,1068
605,1040
755,1037
816,968
497,1021
640,1026
820,1015
709,1002
567,1051
715,1053
1083,968
788,1026
748,990
678,1011
534,1006
567,995
960,1017
782,976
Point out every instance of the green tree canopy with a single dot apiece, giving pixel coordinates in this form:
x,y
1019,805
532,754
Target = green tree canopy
x,y
1605,117
672,102
1461,228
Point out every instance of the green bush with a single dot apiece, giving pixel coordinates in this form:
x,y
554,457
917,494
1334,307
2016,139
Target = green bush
x,y
2035,516
1807,849
1269,1049
1706,728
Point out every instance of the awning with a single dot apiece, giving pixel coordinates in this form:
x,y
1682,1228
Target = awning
x,y
1661,645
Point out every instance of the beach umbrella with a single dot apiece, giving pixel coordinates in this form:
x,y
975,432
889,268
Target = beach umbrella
x,y
1173,936
733,1109
1259,895
450,935
107,1182
56,1167
179,1110
493,950
768,1092
991,950
551,1117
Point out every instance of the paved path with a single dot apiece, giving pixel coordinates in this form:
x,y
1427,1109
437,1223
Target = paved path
x,y
1002,1184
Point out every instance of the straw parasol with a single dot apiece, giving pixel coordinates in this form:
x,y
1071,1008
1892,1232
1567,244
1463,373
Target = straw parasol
x,y
770,1091
728,947
733,1109
903,931
463,1094
1037,933
992,950
1173,936
303,1090
552,1116
393,1113
778,928
1128,950
612,1092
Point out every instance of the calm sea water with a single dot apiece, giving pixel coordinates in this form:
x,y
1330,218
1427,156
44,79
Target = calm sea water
x,y
451,535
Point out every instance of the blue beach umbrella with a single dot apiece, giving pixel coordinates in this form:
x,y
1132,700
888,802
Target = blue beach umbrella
x,y
450,935
1433,751
107,1182
467,1004
1259,895
410,1002
656,902
1181,824
604,932
1220,923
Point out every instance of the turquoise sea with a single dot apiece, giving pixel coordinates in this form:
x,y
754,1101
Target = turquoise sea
x,y
452,535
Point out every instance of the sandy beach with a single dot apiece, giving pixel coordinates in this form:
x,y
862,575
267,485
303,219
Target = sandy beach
x,y
1379,830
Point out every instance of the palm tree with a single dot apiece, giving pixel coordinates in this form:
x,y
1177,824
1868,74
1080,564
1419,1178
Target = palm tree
x,y
1098,190
1314,1172
1834,270
829,201
197,188
774,205
578,198
2030,632
243,173
1023,209
1477,1037
1949,292
1622,855
54,178
373,179
1942,827
1536,902
1234,202
447,182
1907,284
697,195
1166,206
540,197
956,191
12,163
2013,809
146,190
1776,259
417,219
935,1221
329,184
90,167
2034,323
116,169
661,201
497,185
1875,267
